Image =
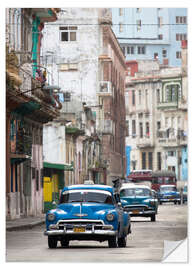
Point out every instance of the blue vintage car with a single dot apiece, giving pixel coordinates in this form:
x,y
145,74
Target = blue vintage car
x,y
88,212
169,193
139,200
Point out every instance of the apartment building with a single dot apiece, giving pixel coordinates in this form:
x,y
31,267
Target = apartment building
x,y
151,33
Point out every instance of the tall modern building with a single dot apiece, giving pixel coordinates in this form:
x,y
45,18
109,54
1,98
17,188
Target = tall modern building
x,y
151,33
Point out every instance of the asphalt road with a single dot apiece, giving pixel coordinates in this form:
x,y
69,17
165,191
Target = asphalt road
x,y
144,244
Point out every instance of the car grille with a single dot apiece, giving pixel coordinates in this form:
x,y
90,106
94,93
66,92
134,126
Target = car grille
x,y
88,224
137,207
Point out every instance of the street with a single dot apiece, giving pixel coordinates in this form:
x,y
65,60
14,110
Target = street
x,y
144,244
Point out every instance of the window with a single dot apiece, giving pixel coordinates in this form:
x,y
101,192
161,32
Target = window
x,y
138,25
171,93
143,160
139,96
181,36
123,50
141,49
68,33
127,127
181,19
164,53
159,161
120,11
141,130
178,55
160,37
158,95
155,55
150,160
133,129
147,130
160,21
133,97
130,50
120,27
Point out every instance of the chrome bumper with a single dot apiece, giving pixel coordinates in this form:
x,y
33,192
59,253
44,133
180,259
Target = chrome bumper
x,y
142,213
71,232
169,200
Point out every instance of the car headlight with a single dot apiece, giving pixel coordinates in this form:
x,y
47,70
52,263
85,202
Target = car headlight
x,y
110,217
51,217
152,203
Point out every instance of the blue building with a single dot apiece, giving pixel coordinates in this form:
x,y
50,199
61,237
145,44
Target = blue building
x,y
151,33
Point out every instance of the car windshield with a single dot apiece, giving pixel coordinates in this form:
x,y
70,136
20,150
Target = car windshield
x,y
185,188
167,188
93,196
130,192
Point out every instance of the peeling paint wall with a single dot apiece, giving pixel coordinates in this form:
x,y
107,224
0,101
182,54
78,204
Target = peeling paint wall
x,y
82,81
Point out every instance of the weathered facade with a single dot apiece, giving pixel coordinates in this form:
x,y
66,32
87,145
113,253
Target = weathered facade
x,y
156,115
89,65
28,106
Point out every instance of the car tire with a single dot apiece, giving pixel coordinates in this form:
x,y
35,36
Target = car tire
x,y
179,202
153,218
175,202
160,203
122,242
52,242
112,242
64,243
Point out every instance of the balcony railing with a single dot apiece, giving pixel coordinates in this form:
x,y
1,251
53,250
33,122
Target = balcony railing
x,y
21,145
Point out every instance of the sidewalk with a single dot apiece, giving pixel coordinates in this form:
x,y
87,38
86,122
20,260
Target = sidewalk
x,y
24,223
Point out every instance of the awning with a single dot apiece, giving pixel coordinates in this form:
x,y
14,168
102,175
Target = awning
x,y
64,167
18,158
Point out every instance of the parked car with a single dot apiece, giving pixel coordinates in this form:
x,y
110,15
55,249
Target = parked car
x,y
184,194
168,193
88,212
139,200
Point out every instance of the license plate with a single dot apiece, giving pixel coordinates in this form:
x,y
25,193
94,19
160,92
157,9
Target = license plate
x,y
170,199
79,229
135,212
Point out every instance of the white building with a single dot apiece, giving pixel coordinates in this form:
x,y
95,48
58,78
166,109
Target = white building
x,y
156,117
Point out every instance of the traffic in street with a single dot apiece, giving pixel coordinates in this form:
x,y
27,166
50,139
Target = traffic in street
x,y
144,244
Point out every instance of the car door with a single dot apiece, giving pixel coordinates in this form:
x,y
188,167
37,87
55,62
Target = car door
x,y
121,214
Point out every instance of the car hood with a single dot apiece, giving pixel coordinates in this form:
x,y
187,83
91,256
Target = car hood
x,y
135,200
83,210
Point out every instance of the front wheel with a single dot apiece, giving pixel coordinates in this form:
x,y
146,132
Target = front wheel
x,y
52,242
122,242
112,242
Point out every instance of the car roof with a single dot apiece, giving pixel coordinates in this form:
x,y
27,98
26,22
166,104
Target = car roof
x,y
167,186
128,185
92,186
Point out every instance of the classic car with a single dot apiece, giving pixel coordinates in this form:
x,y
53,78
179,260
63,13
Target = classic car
x,y
88,212
139,200
169,193
184,193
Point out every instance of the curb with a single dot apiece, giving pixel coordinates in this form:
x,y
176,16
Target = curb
x,y
24,226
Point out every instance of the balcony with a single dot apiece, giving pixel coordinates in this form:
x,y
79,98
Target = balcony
x,y
145,142
168,105
105,88
166,140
